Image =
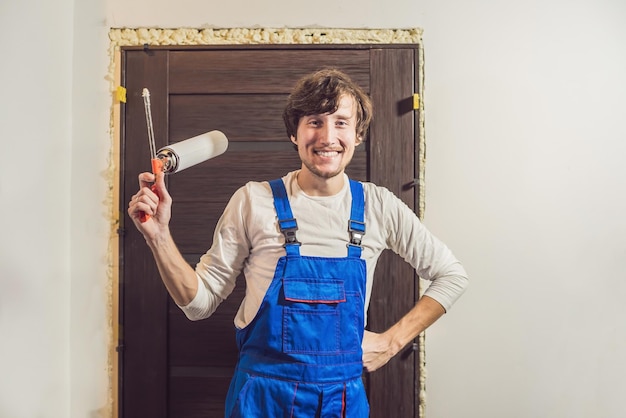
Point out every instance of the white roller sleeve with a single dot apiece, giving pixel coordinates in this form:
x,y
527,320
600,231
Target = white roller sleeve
x,y
195,150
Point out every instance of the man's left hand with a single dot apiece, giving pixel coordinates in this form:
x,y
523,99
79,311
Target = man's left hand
x,y
377,350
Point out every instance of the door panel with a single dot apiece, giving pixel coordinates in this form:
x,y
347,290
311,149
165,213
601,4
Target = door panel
x,y
143,319
259,71
172,367
395,290
246,117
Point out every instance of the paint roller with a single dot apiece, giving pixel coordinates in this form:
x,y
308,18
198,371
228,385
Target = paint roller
x,y
184,154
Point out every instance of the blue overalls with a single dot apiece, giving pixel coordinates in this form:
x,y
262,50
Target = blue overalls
x,y
301,355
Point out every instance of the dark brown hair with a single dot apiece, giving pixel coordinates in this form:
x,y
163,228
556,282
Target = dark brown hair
x,y
320,93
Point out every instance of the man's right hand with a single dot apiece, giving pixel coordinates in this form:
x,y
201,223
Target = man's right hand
x,y
154,200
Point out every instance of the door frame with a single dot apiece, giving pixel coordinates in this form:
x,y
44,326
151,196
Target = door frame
x,y
150,37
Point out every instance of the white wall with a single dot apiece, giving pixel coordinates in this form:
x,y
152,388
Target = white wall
x,y
524,103
54,118
36,137
90,203
525,181
274,14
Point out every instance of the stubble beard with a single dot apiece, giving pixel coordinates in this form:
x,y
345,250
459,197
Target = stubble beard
x,y
323,174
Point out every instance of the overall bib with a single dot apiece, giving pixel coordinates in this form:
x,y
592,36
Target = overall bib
x,y
301,355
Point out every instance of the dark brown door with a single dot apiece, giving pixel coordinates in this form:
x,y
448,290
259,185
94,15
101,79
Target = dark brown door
x,y
172,367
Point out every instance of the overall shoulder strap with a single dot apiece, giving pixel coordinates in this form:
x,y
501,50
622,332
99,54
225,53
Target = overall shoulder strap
x,y
287,223
356,223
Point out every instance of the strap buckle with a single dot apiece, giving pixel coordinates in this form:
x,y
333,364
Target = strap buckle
x,y
357,230
289,227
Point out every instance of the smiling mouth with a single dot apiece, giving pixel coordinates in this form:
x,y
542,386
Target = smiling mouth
x,y
327,153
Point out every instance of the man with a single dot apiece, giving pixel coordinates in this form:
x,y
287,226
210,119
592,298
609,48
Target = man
x,y
307,244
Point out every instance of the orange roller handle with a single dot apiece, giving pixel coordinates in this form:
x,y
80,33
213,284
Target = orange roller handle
x,y
157,167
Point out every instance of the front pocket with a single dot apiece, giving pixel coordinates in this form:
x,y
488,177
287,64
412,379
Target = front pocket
x,y
311,315
314,291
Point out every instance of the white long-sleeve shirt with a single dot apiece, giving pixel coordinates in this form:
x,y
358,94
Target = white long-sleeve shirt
x,y
247,238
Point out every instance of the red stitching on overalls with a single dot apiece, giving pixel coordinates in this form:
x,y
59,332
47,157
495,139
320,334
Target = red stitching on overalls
x,y
293,401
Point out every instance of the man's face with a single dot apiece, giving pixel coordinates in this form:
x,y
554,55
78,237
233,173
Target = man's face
x,y
326,142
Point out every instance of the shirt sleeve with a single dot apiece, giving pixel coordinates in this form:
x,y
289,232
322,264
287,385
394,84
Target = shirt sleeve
x,y
431,258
